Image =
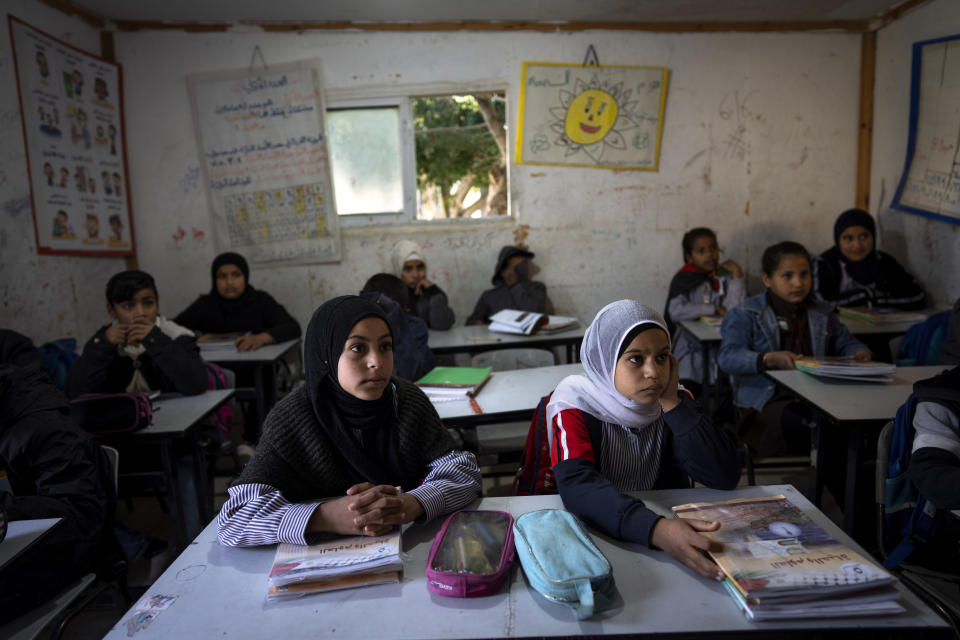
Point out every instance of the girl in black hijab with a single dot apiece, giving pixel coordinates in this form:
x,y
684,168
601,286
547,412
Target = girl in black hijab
x,y
352,437
234,306
854,273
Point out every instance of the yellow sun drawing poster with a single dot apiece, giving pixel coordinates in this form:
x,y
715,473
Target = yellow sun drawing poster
x,y
603,117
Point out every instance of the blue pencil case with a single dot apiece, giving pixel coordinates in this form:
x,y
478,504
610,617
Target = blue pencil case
x,y
561,561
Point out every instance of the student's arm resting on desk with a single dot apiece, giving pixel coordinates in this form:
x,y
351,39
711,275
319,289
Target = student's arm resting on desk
x,y
179,361
704,452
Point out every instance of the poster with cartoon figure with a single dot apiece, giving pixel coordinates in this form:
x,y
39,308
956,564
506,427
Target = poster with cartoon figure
x,y
72,116
602,117
265,161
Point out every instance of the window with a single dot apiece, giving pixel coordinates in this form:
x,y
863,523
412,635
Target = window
x,y
424,157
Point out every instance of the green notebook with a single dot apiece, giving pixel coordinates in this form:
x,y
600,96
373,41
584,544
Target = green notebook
x,y
455,377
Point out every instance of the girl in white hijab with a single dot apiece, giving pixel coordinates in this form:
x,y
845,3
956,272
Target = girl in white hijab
x,y
627,425
427,301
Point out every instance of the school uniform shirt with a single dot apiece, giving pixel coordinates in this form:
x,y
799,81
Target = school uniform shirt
x,y
595,462
833,283
432,307
526,295
166,364
728,292
255,311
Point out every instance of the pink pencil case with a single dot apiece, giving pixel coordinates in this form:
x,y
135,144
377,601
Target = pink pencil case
x,y
472,554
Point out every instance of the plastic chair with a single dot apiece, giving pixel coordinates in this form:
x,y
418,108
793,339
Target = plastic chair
x,y
914,576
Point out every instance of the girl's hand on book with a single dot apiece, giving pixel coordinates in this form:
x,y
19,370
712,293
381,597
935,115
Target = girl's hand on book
x,y
669,399
680,539
254,342
780,359
862,355
377,508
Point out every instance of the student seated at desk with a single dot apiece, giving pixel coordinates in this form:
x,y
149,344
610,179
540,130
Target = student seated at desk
x,y
427,301
935,465
55,470
234,306
412,357
770,331
513,288
702,287
348,438
141,350
627,426
854,273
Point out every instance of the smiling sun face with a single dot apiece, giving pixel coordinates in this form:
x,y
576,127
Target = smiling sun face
x,y
591,117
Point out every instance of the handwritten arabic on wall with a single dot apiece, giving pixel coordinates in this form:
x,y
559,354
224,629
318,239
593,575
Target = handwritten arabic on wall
x,y
266,164
606,117
930,185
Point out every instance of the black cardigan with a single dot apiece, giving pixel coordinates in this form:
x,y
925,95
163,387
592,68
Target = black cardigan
x,y
258,314
899,288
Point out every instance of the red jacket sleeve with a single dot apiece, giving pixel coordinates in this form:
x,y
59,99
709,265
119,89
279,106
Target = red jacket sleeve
x,y
571,438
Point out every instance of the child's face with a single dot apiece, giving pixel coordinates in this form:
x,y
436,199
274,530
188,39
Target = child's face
x,y
93,227
705,254
230,281
142,308
791,280
366,362
856,243
643,370
413,272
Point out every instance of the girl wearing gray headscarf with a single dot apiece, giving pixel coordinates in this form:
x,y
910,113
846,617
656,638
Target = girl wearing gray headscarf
x,y
427,301
627,425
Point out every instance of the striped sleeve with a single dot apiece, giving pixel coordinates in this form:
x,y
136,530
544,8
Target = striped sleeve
x,y
258,514
452,483
571,438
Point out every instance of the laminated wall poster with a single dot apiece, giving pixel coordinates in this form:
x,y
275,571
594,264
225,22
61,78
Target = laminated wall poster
x,y
71,108
603,117
265,160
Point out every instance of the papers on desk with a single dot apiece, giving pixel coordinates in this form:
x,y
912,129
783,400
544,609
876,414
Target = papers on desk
x,y
880,316
779,564
219,341
339,563
454,382
847,368
526,322
713,322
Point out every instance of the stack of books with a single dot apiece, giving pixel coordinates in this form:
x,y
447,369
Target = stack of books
x,y
847,368
881,316
454,382
338,563
526,323
780,565
712,321
218,341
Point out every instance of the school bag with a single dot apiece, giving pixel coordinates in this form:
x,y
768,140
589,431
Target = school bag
x,y
58,357
909,519
109,413
561,561
222,418
535,476
921,343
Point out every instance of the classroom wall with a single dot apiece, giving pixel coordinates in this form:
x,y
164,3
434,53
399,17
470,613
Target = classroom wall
x,y
759,142
930,249
40,296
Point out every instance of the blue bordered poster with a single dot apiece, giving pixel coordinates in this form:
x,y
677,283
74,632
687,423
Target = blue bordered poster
x,y
930,185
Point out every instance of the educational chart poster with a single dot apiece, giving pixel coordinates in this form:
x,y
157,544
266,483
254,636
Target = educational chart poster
x,y
71,107
930,185
604,117
266,163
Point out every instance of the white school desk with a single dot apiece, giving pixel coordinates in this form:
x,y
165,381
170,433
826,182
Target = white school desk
x,y
220,593
507,396
175,417
478,338
261,363
23,534
862,408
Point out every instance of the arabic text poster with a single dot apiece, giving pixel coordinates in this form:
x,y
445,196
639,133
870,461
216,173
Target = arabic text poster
x,y
604,117
266,162
72,114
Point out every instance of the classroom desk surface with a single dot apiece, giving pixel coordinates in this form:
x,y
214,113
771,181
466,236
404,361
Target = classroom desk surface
x,y
862,408
701,331
507,396
266,353
863,328
23,534
478,338
220,592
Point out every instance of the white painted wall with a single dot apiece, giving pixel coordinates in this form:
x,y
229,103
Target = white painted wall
x,y
40,296
929,249
599,234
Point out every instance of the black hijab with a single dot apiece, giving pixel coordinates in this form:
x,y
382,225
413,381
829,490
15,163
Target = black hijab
x,y
864,271
360,429
234,307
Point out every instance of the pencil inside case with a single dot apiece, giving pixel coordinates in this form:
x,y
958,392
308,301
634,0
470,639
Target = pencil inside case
x,y
472,554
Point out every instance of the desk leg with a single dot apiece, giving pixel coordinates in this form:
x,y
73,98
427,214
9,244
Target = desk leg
x,y
203,490
816,460
173,495
260,399
708,387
